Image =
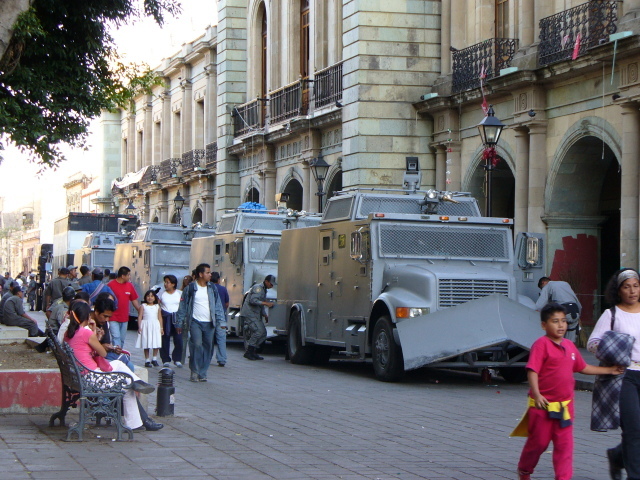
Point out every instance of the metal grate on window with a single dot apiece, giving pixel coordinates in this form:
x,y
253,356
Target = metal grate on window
x,y
261,222
264,250
409,205
338,209
444,242
454,291
226,224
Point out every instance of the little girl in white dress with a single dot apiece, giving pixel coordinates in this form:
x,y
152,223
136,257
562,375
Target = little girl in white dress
x,y
150,328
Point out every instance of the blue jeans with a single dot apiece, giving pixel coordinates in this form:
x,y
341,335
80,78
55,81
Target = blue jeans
x,y
221,342
123,358
118,332
200,347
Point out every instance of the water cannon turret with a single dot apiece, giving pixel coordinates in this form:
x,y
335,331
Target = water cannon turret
x,y
432,200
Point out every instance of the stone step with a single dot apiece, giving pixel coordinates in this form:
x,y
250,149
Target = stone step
x,y
12,334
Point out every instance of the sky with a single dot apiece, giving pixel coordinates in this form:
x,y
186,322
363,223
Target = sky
x,y
143,41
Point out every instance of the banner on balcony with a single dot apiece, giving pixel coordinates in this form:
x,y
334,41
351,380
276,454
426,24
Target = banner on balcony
x,y
129,179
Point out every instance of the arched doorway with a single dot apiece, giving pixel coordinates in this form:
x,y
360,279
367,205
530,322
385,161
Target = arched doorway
x,y
335,185
503,189
583,219
197,216
294,189
252,195
174,218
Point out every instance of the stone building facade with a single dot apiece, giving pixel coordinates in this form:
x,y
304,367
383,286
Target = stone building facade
x,y
563,77
276,84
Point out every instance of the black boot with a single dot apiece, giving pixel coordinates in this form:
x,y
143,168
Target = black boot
x,y
255,353
152,426
250,354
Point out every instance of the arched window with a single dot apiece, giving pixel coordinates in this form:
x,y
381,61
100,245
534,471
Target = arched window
x,y
197,216
294,189
252,196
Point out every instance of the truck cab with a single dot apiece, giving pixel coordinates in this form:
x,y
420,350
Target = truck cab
x,y
244,250
99,248
156,250
407,278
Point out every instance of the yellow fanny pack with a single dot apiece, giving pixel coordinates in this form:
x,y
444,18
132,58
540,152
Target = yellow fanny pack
x,y
557,410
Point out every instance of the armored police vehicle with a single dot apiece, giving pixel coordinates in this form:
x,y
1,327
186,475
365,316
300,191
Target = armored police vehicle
x,y
409,279
244,250
99,249
156,250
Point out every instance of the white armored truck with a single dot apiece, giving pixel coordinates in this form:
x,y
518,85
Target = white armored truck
x,y
156,250
409,279
99,249
244,250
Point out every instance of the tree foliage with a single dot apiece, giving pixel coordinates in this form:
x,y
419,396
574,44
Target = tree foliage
x,y
61,70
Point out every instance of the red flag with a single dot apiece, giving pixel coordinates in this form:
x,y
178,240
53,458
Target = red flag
x,y
576,47
485,105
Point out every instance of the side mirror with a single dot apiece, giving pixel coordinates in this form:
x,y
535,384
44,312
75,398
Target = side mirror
x,y
533,251
360,246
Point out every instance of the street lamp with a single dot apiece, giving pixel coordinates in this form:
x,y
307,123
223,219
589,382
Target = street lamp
x,y
319,168
178,203
490,129
130,208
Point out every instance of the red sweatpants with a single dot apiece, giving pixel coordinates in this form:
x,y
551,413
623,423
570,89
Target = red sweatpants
x,y
543,430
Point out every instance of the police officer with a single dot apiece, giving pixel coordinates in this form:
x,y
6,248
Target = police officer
x,y
561,292
253,308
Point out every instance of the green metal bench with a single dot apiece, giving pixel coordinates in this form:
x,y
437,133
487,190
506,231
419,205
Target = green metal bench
x,y
97,394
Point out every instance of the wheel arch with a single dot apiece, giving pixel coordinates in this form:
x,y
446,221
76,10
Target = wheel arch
x,y
298,307
380,308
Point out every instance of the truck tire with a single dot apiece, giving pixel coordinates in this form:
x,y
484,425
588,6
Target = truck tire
x,y
388,363
514,374
298,354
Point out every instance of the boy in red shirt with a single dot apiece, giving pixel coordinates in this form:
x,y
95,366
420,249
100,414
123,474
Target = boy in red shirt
x,y
552,362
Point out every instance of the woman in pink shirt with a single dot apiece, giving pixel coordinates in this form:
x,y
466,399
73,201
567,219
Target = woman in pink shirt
x,y
82,338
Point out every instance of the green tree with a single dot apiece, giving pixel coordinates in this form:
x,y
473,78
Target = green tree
x,y
60,70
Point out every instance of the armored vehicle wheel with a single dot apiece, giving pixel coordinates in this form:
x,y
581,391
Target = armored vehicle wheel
x,y
298,354
514,374
388,363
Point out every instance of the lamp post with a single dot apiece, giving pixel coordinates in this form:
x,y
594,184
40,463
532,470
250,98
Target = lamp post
x,y
131,208
490,129
178,203
319,168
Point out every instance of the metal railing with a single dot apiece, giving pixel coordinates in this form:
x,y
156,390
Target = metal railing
x,y
289,101
211,155
327,86
193,161
169,169
485,58
593,21
247,117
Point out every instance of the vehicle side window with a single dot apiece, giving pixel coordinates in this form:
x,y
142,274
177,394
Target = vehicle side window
x,y
326,243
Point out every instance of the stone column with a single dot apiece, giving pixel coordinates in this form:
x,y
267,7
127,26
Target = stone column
x,y
166,127
528,27
537,176
131,143
522,180
629,207
441,168
307,186
445,38
210,102
187,117
147,138
541,10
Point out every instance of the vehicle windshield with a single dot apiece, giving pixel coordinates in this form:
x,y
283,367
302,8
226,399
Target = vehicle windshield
x,y
173,255
443,241
264,250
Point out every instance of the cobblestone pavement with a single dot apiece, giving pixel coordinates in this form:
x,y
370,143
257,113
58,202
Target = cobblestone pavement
x,y
274,420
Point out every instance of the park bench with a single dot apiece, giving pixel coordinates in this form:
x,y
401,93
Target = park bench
x,y
97,394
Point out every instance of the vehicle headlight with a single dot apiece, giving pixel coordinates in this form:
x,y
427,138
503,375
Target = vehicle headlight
x,y
409,312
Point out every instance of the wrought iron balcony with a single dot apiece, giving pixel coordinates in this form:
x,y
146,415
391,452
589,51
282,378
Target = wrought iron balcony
x,y
327,87
150,177
593,21
211,155
247,117
488,58
289,102
193,161
169,169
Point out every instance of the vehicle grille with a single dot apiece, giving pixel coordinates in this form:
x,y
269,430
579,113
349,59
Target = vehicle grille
x,y
454,291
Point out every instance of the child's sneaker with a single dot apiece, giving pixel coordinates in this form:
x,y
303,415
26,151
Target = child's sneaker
x,y
155,363
147,364
523,476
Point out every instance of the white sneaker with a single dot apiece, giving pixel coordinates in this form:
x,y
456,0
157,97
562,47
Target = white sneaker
x,y
178,364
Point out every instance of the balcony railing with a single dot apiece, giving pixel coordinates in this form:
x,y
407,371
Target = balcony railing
x,y
327,87
488,58
115,190
211,155
247,117
150,177
169,169
289,101
593,21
